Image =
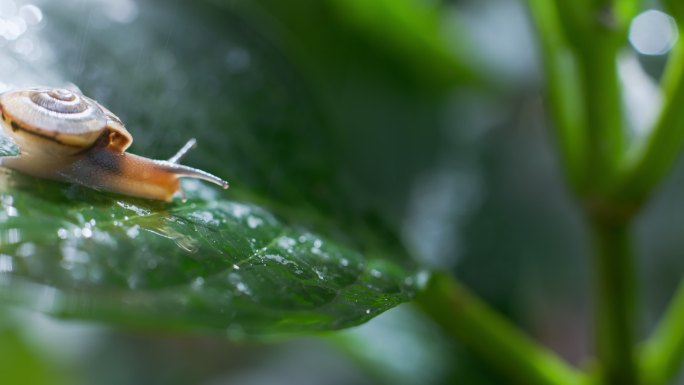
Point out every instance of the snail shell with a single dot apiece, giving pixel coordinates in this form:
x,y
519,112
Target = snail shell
x,y
67,136
65,117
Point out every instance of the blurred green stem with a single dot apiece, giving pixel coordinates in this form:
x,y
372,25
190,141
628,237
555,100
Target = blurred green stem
x,y
469,320
663,354
593,140
604,128
562,80
652,160
615,304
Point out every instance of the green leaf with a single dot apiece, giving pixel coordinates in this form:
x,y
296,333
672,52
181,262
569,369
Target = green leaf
x,y
210,263
295,246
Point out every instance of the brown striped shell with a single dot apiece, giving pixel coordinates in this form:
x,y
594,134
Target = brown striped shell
x,y
63,116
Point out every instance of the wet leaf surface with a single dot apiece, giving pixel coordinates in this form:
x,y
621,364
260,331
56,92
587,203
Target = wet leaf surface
x,y
209,263
294,246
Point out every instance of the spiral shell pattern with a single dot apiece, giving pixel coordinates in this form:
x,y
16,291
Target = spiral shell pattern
x,y
59,100
56,114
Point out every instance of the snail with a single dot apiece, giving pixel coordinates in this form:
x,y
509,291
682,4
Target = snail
x,y
64,135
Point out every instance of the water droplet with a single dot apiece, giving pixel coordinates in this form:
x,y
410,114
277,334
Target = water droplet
x,y
236,280
239,210
133,232
198,283
137,210
278,259
62,234
204,216
254,222
422,278
242,288
286,242
316,249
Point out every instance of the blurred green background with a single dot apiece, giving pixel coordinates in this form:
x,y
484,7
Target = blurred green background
x,y
417,125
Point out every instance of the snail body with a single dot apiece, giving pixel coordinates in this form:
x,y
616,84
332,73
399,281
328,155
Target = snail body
x,y
66,136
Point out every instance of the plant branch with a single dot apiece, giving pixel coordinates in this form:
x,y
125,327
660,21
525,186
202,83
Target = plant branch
x,y
563,89
604,127
615,303
650,162
469,320
663,354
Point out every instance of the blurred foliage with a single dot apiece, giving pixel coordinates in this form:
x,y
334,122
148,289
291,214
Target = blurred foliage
x,y
296,140
313,110
371,124
245,104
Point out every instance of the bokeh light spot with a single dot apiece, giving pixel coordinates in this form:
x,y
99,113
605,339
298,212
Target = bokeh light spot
x,y
31,14
653,33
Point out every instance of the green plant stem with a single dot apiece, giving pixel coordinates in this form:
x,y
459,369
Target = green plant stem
x,y
562,81
615,302
650,162
604,128
469,320
663,354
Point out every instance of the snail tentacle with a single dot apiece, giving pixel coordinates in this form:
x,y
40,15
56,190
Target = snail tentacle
x,y
190,172
189,145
